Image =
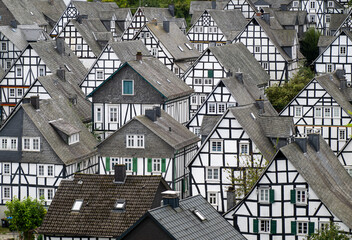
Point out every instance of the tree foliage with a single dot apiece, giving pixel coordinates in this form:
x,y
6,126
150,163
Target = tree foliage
x,y
330,232
25,216
281,96
309,45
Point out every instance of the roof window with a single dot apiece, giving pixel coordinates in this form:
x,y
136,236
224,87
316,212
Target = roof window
x,y
199,215
188,46
120,205
181,49
77,205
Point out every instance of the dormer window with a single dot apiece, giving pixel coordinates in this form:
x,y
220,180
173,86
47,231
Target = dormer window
x,y
120,205
74,138
77,205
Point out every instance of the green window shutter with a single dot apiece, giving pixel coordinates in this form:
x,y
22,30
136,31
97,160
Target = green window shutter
x,y
310,228
134,165
163,164
127,87
255,225
107,163
272,195
149,165
210,73
273,226
293,227
293,196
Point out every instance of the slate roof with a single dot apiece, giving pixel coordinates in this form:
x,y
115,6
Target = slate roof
x,y
275,3
208,123
288,18
236,57
325,41
172,40
336,20
99,194
127,50
25,12
93,9
326,176
183,224
64,127
51,9
56,109
277,126
92,31
200,6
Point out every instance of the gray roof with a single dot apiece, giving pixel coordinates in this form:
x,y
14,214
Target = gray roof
x,y
161,78
276,3
183,224
25,12
51,9
336,20
200,6
208,123
325,41
277,127
127,50
236,57
120,13
64,127
93,9
56,109
288,18
94,33
326,176
172,40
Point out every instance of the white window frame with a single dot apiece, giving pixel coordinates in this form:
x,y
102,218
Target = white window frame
x,y
98,114
154,51
8,64
323,225
18,69
316,110
342,131
41,170
39,193
210,173
198,46
299,193
79,47
327,110
211,107
202,98
219,148
221,107
312,4
135,141
207,81
198,81
329,67
19,92
213,198
41,71
264,194
156,165
196,131
51,195
9,144
113,162
3,43
3,192
295,4
302,232
267,226
244,144
113,118
97,74
50,173
74,138
12,92
31,144
265,65
336,112
343,50
330,3
6,166
129,164
256,49
77,205
296,109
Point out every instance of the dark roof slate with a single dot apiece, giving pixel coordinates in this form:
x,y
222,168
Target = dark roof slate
x,y
127,50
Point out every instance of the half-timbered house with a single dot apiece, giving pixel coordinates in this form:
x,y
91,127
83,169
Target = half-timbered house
x,y
243,137
200,6
336,23
86,38
344,157
323,106
42,143
319,11
247,7
215,27
38,59
133,88
336,56
302,190
275,48
214,64
168,43
111,58
100,207
146,14
151,144
14,39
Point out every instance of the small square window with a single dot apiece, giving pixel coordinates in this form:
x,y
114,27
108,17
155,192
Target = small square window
x,y
213,174
12,92
244,148
343,50
127,87
198,81
264,226
295,4
302,228
77,205
100,74
312,4
120,205
216,146
301,196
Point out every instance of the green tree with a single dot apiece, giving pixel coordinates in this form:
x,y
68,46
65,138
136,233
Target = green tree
x,y
25,216
281,96
329,233
309,45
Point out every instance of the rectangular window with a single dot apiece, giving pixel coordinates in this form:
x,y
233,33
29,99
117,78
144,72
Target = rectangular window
x,y
8,64
328,18
50,171
74,138
213,174
312,18
156,164
211,107
302,228
342,50
330,4
6,168
197,81
98,115
208,81
336,112
18,71
100,74
113,114
50,194
342,134
196,131
31,144
127,87
329,68
194,99
41,170
298,111
265,65
3,45
41,193
212,198
264,195
198,46
135,141
41,71
35,144
295,4
257,50
244,148
12,92
4,143
154,52
264,225
128,163
312,4
6,192
216,145
221,107
202,98
114,161
318,112
301,196
327,112
19,92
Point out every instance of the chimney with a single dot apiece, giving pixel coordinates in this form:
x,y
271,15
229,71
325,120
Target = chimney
x,y
302,143
79,18
35,102
172,9
266,17
229,74
239,76
51,2
166,26
139,56
283,7
151,114
260,104
60,45
314,141
154,21
61,74
231,198
340,73
13,23
120,173
170,198
213,4
157,111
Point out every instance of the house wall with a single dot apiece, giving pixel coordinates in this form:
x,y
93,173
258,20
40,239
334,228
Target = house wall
x,y
242,5
12,53
138,21
70,13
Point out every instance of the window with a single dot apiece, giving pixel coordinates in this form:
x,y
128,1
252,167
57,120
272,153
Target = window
x,y
198,46
329,68
265,65
77,205
78,47
41,193
98,115
8,64
342,134
312,18
211,107
127,87
216,146
244,148
336,112
196,131
113,114
128,163
264,195
74,138
302,228
202,98
301,196
6,192
11,92
41,71
199,215
327,18
313,130
18,71
31,144
330,4
208,81
179,47
327,112
324,226
342,50
50,194
318,112
176,70
154,52
4,143
156,165
312,4
264,225
135,141
213,174
212,198
197,81
298,111
194,99
50,171
100,74
257,50
6,168
41,170
3,46
120,205
188,46
221,107
19,92
295,4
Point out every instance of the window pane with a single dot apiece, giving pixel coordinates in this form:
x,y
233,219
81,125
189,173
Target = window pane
x,y
128,87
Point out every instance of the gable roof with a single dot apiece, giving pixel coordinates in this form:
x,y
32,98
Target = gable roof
x,y
51,9
326,176
337,20
183,224
99,193
93,9
287,18
127,50
200,6
208,124
173,40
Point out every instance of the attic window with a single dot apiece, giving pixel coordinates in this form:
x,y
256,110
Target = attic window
x,y
74,138
68,68
32,13
77,205
120,205
181,49
188,46
199,215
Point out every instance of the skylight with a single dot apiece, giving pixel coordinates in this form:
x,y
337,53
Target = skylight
x,y
158,82
120,205
68,68
253,116
77,205
199,215
168,80
188,46
181,49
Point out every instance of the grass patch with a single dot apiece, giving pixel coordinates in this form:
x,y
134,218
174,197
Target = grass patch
x,y
4,230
